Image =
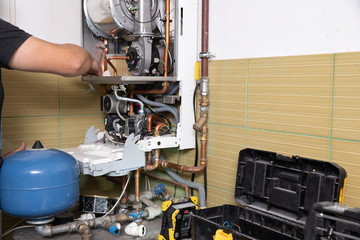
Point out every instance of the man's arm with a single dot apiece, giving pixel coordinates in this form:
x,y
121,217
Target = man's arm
x,y
69,60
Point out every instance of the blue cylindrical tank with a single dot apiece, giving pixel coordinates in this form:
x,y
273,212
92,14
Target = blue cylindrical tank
x,y
38,183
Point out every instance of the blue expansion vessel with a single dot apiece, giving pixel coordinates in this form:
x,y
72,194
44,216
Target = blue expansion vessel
x,y
38,183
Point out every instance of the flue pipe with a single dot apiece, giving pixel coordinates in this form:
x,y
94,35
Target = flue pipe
x,y
166,59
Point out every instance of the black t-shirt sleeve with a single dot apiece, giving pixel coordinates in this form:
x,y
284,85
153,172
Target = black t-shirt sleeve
x,y
11,38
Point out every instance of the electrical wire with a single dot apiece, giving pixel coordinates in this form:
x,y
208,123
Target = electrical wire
x,y
118,112
16,228
196,137
162,116
121,195
108,137
165,69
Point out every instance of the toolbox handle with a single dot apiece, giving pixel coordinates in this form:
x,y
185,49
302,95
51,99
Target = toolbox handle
x,y
284,158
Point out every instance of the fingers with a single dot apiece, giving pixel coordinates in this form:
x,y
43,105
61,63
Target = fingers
x,y
95,68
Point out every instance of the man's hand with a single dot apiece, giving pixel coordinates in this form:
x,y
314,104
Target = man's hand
x,y
20,148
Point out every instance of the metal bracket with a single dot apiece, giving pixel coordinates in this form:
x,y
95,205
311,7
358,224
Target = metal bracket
x,y
206,55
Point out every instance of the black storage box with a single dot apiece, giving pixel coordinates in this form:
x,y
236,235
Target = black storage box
x,y
332,221
276,194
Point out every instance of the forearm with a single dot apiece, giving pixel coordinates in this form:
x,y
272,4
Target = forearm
x,y
65,59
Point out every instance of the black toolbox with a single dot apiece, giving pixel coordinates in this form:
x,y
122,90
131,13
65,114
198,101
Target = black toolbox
x,y
275,194
332,221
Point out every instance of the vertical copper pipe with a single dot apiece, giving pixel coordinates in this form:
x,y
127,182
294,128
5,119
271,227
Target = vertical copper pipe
x,y
103,65
123,182
137,185
167,36
112,66
156,160
103,61
158,127
150,120
148,158
204,102
205,37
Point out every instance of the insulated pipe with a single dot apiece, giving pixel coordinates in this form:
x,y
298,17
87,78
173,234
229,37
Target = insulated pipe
x,y
152,91
186,188
195,185
156,160
170,109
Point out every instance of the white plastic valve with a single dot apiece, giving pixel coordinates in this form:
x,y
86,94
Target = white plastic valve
x,y
134,230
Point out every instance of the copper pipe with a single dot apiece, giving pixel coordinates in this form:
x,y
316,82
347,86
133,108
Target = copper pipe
x,y
148,158
85,232
118,58
156,160
137,185
186,188
158,127
205,37
123,182
203,157
182,168
167,36
105,90
150,120
106,50
112,66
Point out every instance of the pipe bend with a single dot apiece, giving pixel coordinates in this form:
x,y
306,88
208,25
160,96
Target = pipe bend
x,y
119,98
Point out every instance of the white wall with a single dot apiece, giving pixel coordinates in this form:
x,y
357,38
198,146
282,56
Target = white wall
x,y
56,21
262,28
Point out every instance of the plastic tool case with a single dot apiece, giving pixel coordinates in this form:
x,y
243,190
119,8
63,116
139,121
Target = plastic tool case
x,y
332,221
276,194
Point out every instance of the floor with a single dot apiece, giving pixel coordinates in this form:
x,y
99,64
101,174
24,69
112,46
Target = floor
x,y
152,231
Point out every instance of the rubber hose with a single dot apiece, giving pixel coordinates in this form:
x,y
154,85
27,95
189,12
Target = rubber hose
x,y
162,106
195,185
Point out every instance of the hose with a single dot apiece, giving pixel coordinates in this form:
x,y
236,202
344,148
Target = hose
x,y
163,106
174,86
190,184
